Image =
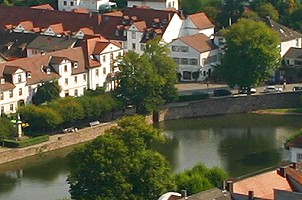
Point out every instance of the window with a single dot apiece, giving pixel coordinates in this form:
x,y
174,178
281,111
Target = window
x,y
176,60
20,91
297,43
119,54
299,157
2,110
1,96
2,81
104,70
104,58
97,72
19,78
133,46
65,68
75,79
175,48
133,35
65,3
184,61
84,77
193,61
298,62
71,3
187,75
11,107
143,47
76,92
125,45
11,93
184,49
117,32
66,81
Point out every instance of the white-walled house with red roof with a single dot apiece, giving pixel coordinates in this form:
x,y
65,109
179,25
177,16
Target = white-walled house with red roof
x,y
91,5
194,54
155,4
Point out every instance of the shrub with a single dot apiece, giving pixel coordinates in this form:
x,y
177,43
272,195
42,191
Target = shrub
x,y
25,143
292,138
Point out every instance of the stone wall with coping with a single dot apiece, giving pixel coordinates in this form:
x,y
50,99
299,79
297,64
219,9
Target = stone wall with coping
x,y
55,142
228,105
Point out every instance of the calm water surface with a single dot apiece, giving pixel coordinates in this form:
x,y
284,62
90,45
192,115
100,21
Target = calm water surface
x,y
240,143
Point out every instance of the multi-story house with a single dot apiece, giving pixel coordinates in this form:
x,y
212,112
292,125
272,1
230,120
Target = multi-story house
x,y
91,5
76,70
155,4
196,56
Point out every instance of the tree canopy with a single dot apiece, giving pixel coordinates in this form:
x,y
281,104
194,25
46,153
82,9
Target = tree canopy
x,y
48,91
147,81
252,53
200,178
120,165
7,129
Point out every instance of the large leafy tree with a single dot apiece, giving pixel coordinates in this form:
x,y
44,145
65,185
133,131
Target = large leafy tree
x,y
47,92
252,53
147,81
200,178
120,165
7,129
268,9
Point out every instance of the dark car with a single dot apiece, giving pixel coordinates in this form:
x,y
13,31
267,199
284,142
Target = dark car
x,y
221,92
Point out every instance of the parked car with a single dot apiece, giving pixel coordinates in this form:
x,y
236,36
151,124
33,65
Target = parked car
x,y
70,130
297,88
272,89
243,90
221,92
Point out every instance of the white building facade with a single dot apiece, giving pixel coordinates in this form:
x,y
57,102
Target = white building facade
x,y
155,4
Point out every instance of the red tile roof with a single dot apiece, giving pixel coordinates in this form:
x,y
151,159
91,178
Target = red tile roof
x,y
35,64
43,6
263,185
296,142
201,21
7,86
199,42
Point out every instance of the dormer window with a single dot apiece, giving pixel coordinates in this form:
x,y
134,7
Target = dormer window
x,y
117,32
47,70
75,65
147,36
28,74
2,81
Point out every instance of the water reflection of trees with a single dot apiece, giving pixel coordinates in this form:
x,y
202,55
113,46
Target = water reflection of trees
x,y
249,151
7,183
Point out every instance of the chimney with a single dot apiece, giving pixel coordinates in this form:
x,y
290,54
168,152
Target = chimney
x,y
251,195
295,165
282,171
229,186
184,194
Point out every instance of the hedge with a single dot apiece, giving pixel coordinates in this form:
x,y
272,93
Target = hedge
x,y
25,143
193,97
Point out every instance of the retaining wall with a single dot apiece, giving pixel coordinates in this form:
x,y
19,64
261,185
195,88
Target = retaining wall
x,y
239,104
55,142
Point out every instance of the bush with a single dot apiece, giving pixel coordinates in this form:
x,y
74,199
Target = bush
x,y
25,143
193,97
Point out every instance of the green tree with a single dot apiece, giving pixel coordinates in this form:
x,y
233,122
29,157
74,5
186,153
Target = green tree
x,y
119,165
200,178
68,108
252,53
147,81
7,129
40,118
47,92
268,9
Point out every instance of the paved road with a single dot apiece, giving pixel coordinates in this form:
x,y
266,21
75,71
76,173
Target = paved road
x,y
189,88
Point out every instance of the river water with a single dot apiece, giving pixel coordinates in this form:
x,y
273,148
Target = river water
x,y
239,143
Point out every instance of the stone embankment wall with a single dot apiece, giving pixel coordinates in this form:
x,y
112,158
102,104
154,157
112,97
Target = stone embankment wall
x,y
239,104
55,142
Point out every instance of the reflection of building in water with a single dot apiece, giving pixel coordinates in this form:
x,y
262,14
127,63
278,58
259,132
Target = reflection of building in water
x,y
15,174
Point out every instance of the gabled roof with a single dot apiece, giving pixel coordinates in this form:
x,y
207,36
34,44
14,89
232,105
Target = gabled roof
x,y
10,69
35,64
48,43
263,185
285,33
294,52
201,21
141,25
43,6
199,42
215,193
11,16
27,25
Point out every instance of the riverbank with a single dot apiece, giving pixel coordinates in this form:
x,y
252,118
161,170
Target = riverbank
x,y
55,142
